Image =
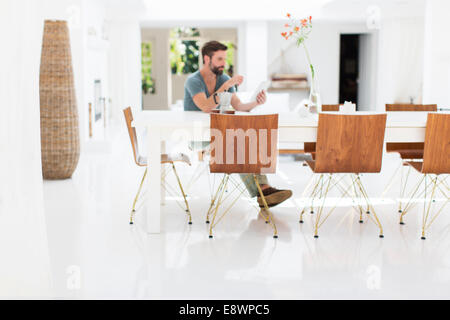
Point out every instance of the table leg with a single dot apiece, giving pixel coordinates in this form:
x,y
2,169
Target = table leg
x,y
154,180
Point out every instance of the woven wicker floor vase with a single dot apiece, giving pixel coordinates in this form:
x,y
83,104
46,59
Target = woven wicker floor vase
x,y
60,137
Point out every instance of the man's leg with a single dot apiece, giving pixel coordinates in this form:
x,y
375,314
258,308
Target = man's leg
x,y
273,196
250,184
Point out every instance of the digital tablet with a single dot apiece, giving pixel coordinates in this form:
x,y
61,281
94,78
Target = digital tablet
x,y
262,86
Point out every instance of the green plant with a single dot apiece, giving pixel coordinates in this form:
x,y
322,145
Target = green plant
x,y
229,69
148,83
184,50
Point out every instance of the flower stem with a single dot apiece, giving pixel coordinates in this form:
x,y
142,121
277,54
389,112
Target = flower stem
x,y
309,61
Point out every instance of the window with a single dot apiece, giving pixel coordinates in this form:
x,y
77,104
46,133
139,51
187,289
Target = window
x,y
148,83
229,68
184,50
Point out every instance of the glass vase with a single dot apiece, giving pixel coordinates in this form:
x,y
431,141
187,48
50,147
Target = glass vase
x,y
314,101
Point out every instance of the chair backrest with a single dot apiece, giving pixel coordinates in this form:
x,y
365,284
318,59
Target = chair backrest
x,y
436,157
350,143
411,107
331,107
132,132
244,143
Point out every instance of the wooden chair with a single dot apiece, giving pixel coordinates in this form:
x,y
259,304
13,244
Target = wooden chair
x,y
165,159
406,150
411,107
331,107
310,147
348,144
436,162
244,144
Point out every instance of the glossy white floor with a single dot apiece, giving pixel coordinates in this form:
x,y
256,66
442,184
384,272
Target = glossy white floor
x,y
96,254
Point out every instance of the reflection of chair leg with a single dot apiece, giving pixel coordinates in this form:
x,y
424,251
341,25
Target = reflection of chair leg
x,y
188,210
133,210
266,209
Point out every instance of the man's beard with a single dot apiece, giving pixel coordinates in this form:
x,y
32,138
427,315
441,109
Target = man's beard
x,y
215,70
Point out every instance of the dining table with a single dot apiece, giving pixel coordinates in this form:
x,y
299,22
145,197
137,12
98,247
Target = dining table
x,y
176,126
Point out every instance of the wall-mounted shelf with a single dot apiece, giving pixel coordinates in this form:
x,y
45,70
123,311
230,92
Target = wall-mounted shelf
x,y
287,89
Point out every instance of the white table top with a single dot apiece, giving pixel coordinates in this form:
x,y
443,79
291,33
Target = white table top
x,y
179,119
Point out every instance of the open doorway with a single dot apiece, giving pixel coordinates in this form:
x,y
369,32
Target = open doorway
x,y
349,68
358,65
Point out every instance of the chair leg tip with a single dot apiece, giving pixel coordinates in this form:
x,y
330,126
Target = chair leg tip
x,y
368,212
400,211
275,237
208,222
301,221
423,238
316,237
131,223
211,237
190,223
312,212
381,236
361,221
402,223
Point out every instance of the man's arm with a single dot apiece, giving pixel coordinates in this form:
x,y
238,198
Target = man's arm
x,y
247,107
203,103
208,104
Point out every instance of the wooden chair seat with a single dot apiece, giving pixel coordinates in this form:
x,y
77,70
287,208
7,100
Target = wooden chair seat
x,y
311,164
415,164
411,154
406,150
167,158
411,107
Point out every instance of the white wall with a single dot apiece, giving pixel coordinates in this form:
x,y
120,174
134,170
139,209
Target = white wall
x,y
25,262
436,80
400,64
96,64
125,66
162,98
253,55
324,48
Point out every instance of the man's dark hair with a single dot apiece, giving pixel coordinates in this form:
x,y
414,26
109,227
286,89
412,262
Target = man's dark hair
x,y
211,47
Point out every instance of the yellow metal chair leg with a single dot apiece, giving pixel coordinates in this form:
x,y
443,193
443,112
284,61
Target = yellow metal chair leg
x,y
314,193
188,210
319,213
366,197
213,200
219,202
133,210
266,207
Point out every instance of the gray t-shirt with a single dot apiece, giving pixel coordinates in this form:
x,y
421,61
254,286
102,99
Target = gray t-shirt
x,y
195,84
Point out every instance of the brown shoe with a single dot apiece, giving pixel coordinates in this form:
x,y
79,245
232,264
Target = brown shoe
x,y
274,197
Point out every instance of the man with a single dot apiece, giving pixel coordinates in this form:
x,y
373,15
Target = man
x,y
201,89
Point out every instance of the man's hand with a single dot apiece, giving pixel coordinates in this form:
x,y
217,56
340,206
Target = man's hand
x,y
235,81
261,98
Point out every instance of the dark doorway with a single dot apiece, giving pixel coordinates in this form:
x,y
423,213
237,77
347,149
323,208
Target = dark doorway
x,y
349,68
